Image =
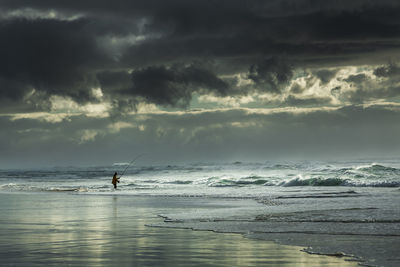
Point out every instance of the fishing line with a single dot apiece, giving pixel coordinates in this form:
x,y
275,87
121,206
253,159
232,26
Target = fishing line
x,y
130,163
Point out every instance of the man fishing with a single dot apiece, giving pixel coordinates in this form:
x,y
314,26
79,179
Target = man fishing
x,y
115,180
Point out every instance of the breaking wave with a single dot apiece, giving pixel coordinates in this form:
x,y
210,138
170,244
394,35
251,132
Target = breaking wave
x,y
315,182
378,169
198,177
338,182
215,182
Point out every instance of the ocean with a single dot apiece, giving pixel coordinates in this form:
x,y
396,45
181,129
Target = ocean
x,y
332,208
237,179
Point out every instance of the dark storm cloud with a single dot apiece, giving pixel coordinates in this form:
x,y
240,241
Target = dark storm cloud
x,y
68,55
363,94
296,88
114,80
13,89
388,71
174,86
271,74
356,79
245,27
365,88
330,35
325,75
47,55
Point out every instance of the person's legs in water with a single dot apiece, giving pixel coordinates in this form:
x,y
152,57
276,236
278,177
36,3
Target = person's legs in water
x,y
115,186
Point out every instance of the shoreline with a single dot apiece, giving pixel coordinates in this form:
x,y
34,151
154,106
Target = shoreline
x,y
340,255
76,229
364,227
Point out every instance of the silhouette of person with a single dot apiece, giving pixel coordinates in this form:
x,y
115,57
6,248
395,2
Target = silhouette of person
x,y
115,180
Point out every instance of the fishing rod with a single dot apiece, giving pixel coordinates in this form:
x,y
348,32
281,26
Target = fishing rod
x,y
130,163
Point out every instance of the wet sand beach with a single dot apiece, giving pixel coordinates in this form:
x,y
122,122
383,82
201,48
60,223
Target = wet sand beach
x,y
54,228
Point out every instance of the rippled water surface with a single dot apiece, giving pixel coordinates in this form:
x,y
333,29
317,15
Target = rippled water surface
x,y
239,179
40,229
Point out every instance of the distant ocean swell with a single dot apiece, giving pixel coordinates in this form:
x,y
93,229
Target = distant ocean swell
x,y
203,176
214,182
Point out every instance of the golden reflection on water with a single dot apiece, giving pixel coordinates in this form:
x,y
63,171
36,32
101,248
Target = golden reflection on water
x,y
86,230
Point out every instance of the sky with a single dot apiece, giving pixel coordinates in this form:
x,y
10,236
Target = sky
x,y
98,82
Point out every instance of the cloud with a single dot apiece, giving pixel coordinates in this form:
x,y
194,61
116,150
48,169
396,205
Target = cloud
x,y
114,81
66,48
42,116
317,35
271,75
387,71
296,88
226,101
325,75
174,86
117,126
379,84
47,55
349,131
194,29
335,91
87,136
265,77
306,101
356,79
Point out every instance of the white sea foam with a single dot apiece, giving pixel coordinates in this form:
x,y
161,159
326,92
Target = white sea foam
x,y
240,178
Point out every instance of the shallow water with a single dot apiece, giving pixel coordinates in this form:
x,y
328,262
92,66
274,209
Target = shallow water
x,y
362,222
90,230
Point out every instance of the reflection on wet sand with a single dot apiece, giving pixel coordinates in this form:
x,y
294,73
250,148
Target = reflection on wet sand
x,y
86,230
